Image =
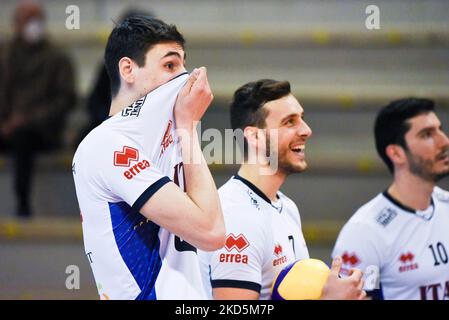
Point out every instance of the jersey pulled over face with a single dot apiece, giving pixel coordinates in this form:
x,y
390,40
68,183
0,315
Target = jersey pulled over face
x,y
262,238
404,253
116,169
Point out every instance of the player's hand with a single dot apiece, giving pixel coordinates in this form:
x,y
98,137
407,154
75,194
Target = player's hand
x,y
350,288
193,99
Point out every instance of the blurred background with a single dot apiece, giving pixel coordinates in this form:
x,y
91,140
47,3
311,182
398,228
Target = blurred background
x,y
340,71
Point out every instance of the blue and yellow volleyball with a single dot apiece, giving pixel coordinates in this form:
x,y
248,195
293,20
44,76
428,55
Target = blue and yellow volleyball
x,y
301,280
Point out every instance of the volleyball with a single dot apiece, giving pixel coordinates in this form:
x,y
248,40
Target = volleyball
x,y
301,280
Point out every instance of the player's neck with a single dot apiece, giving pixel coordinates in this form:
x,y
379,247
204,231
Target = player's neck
x,y
268,184
412,191
122,100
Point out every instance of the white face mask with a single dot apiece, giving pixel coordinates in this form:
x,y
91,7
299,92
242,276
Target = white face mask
x,y
33,31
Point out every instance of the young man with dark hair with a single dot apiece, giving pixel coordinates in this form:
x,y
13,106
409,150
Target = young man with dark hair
x,y
263,225
401,236
140,228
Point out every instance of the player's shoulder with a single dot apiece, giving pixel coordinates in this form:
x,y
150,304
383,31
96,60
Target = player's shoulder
x,y
234,195
441,195
241,206
100,138
377,215
100,150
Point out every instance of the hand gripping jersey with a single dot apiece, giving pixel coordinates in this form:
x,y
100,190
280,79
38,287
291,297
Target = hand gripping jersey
x,y
404,253
116,169
261,238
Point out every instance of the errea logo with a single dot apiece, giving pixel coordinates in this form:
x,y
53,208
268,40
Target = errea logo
x,y
235,243
349,260
407,262
126,157
280,258
278,250
239,243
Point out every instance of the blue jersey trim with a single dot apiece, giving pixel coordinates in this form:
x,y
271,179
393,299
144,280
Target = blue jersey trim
x,y
148,193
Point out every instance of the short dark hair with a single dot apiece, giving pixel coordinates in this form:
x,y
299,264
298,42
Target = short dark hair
x,y
133,38
392,124
248,101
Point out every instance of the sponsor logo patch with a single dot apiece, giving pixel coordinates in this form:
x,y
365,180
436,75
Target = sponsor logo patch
x,y
126,157
349,260
407,262
280,258
385,217
134,109
235,243
239,243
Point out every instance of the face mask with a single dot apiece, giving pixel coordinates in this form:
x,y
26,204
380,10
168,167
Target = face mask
x,y
33,31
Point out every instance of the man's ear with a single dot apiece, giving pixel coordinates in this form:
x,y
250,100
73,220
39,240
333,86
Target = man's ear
x,y
251,135
126,66
396,153
256,145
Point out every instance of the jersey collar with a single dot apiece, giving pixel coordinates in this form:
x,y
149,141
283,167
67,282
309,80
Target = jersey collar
x,y
253,188
426,214
259,192
179,75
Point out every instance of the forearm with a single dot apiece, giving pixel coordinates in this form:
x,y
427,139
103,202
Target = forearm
x,y
199,183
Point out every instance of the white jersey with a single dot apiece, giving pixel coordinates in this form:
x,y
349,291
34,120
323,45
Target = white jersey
x,y
116,169
404,253
261,239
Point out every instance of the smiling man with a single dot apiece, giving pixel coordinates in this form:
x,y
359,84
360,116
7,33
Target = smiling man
x,y
401,236
140,228
263,225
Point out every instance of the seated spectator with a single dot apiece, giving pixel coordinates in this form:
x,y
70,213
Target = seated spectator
x,y
38,91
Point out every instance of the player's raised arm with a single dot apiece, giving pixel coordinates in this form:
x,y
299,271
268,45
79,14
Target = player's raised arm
x,y
196,217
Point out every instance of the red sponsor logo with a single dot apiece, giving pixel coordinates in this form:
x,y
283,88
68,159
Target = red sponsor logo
x,y
167,140
123,158
404,258
234,258
407,263
136,169
238,243
277,250
350,259
278,253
